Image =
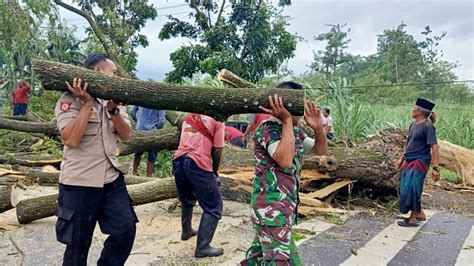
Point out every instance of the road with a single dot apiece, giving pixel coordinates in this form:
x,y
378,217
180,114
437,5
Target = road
x,y
363,239
444,239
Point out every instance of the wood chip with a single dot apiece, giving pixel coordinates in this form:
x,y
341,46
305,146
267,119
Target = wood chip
x,y
322,193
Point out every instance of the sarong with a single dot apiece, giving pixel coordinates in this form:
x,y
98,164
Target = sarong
x,y
411,182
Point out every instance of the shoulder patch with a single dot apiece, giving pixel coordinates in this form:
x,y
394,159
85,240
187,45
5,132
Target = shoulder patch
x,y
65,105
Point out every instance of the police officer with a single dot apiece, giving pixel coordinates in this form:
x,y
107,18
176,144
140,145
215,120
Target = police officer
x,y
201,142
91,183
279,149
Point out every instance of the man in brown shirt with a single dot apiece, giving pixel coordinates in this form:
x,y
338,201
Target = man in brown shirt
x,y
91,184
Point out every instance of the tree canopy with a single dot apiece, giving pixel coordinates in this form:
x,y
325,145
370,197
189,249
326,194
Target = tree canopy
x,y
247,37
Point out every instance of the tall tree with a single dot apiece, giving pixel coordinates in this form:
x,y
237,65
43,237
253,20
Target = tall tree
x,y
328,60
116,25
248,37
399,56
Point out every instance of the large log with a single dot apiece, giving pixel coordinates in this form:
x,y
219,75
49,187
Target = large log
x,y
5,198
216,102
42,177
162,139
232,188
41,207
26,126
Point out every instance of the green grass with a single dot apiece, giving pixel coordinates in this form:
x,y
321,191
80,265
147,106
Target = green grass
x,y
333,218
297,236
447,175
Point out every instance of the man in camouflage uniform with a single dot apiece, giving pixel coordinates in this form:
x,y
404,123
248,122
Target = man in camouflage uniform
x,y
275,189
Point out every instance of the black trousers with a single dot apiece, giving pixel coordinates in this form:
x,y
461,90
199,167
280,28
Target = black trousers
x,y
193,184
80,208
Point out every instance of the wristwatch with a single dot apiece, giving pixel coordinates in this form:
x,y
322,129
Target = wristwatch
x,y
436,168
114,111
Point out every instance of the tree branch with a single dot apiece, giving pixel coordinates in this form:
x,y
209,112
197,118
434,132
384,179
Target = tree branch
x,y
220,13
92,23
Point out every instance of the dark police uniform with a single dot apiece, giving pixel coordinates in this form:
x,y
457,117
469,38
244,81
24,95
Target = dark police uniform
x,y
92,188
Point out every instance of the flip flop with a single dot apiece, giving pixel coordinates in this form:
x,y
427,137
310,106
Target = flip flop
x,y
406,223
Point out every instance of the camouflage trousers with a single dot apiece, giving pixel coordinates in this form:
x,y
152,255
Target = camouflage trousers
x,y
272,246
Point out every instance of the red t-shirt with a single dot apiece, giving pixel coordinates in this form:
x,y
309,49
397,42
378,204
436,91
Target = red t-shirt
x,y
21,94
259,118
197,146
232,133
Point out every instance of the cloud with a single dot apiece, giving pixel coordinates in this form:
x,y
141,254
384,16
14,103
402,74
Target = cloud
x,y
366,19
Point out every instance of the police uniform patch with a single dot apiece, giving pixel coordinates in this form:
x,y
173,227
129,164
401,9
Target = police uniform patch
x,y
93,116
65,105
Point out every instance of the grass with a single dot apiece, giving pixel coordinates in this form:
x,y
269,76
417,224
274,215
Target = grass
x,y
447,175
297,236
333,218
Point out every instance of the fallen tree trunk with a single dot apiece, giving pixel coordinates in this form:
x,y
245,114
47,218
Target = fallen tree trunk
x,y
32,162
215,102
231,188
162,139
37,208
26,126
5,198
38,176
457,159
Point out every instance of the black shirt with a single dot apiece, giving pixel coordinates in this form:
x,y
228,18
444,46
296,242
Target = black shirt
x,y
420,138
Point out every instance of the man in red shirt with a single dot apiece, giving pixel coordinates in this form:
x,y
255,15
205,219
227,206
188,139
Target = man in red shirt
x,y
234,136
201,142
254,121
20,98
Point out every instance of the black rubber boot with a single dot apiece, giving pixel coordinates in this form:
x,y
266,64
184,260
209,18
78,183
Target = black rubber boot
x,y
207,227
187,230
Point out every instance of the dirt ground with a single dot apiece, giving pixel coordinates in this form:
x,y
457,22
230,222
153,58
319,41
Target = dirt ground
x,y
157,241
452,201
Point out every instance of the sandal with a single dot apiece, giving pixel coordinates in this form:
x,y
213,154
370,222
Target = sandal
x,y
406,223
417,218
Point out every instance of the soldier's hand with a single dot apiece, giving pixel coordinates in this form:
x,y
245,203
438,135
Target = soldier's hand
x,y
278,110
79,91
312,115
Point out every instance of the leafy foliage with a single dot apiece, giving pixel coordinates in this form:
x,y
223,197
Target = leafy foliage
x,y
327,61
251,41
117,27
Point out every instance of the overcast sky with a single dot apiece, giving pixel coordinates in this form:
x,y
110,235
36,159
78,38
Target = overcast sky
x,y
366,19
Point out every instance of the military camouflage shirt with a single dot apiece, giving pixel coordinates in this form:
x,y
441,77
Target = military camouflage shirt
x,y
275,189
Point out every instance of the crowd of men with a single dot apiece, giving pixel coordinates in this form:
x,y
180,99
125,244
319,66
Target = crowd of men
x,y
92,188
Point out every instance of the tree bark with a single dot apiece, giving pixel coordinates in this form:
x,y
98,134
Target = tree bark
x,y
32,162
233,80
5,198
32,127
237,189
161,139
215,102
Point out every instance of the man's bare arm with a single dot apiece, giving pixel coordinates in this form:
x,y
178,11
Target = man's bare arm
x,y
74,131
216,154
124,131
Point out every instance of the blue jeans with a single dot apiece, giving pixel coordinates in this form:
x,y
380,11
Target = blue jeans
x,y
20,108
